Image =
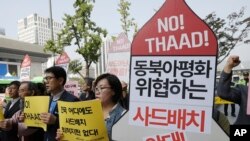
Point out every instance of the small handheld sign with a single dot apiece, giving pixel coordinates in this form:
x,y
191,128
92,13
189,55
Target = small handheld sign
x,y
82,121
33,109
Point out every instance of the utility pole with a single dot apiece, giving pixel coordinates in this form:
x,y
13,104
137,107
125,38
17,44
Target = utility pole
x,y
51,30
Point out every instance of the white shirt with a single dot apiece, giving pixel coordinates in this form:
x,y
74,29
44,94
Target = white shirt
x,y
13,101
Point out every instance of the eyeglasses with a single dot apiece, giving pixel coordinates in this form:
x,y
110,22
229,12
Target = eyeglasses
x,y
12,88
22,91
48,78
100,89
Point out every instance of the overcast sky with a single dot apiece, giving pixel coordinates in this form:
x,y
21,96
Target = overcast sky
x,y
105,12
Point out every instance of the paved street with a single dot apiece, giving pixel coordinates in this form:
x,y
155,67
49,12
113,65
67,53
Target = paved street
x,y
230,118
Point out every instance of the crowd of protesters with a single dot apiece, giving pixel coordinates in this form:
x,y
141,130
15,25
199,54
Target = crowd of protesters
x,y
111,92
106,87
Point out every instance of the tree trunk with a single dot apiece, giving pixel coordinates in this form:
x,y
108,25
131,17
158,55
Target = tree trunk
x,y
87,71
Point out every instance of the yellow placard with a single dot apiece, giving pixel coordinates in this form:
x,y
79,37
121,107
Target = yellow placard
x,y
82,121
218,100
33,107
1,114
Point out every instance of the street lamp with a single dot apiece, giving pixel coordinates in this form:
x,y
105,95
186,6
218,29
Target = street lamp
x,y
51,30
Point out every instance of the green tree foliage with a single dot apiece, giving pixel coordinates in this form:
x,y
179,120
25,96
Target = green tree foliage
x,y
80,31
53,46
230,32
127,23
83,32
75,67
56,47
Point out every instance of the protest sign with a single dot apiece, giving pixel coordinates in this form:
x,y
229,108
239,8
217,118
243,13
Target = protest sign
x,y
33,107
1,114
63,61
72,87
172,75
82,121
118,62
25,68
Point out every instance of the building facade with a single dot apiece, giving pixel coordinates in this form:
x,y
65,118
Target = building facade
x,y
101,65
35,29
12,53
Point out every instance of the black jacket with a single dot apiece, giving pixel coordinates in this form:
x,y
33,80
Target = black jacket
x,y
237,94
10,135
51,129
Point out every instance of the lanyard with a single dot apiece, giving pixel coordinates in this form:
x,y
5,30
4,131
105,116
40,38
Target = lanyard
x,y
52,106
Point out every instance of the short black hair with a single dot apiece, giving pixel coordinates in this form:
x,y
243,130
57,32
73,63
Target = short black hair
x,y
58,72
16,83
41,88
32,87
89,81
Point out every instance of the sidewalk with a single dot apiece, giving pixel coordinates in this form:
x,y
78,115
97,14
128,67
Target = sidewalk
x,y
230,118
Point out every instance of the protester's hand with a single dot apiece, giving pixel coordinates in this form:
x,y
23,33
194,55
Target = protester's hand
x,y
48,118
21,117
232,62
3,124
59,135
1,104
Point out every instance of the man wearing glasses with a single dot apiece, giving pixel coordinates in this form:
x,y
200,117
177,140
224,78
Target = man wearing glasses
x,y
54,81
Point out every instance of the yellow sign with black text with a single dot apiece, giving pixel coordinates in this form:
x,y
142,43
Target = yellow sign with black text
x,y
82,121
1,114
33,107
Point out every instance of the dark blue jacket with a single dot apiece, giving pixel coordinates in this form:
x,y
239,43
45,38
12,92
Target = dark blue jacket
x,y
50,134
10,135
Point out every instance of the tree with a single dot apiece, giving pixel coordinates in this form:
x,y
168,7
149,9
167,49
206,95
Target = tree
x,y
230,31
75,67
84,32
79,30
126,22
56,47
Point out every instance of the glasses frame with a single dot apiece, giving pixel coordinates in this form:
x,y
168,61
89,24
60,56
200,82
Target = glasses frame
x,y
100,89
48,78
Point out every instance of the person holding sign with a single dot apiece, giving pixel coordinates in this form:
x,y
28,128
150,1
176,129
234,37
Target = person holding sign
x,y
26,88
237,94
54,80
11,108
108,89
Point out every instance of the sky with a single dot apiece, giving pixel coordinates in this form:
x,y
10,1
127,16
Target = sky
x,y
105,13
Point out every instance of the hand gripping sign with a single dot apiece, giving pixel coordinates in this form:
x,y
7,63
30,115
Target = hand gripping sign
x,y
173,65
